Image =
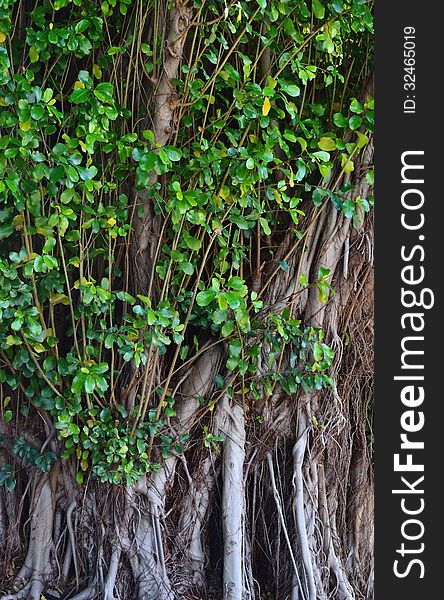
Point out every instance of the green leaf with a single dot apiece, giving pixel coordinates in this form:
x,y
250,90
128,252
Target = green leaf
x,y
223,305
192,242
8,416
187,268
47,95
164,156
87,173
265,226
370,177
302,143
219,381
356,106
322,292
290,88
242,319
355,122
339,120
324,156
241,222
206,297
72,174
232,299
317,196
104,92
235,348
232,364
59,149
17,324
34,327
324,170
174,154
77,383
348,208
227,329
79,96
37,112
338,5
317,352
238,284
49,245
318,9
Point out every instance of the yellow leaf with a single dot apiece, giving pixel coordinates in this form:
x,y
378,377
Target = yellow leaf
x,y
266,106
362,139
2,37
25,126
59,299
33,54
79,85
38,347
2,102
291,182
327,144
75,261
17,221
224,192
111,222
97,71
347,164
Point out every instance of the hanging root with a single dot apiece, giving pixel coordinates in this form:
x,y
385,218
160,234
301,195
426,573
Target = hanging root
x,y
299,510
37,569
233,503
147,564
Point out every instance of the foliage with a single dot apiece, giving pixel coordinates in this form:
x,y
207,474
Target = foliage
x,y
250,150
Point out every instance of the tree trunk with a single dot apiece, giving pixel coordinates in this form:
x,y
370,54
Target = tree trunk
x,y
252,484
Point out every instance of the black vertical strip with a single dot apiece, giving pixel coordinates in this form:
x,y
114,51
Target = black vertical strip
x,y
409,524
